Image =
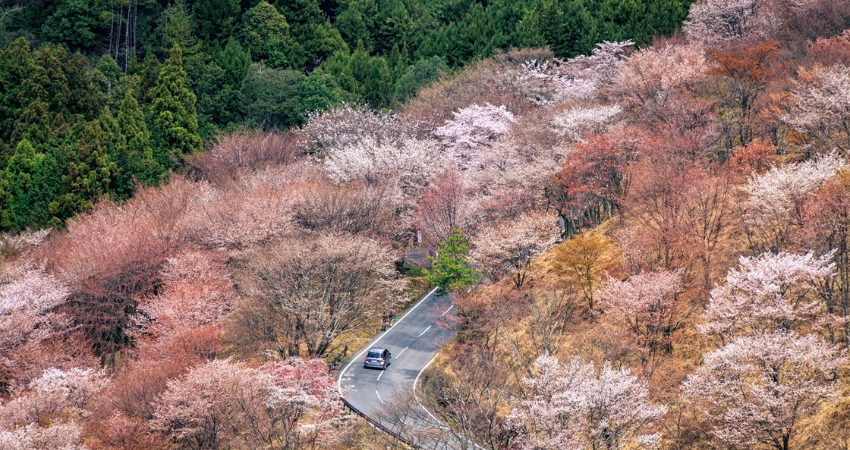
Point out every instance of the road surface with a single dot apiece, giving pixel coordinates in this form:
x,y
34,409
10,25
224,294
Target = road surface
x,y
414,341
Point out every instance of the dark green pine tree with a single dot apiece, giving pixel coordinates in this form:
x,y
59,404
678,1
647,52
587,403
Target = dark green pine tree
x,y
235,61
32,180
172,118
16,65
302,15
393,26
18,181
135,157
216,20
148,77
90,172
356,22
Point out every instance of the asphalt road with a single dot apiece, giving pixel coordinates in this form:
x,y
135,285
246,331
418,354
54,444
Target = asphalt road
x,y
414,341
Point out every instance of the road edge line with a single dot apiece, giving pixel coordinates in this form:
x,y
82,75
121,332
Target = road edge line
x,y
347,366
416,381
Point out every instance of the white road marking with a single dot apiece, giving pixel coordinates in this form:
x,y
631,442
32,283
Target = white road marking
x,y
444,313
420,334
415,382
379,396
360,355
379,375
402,351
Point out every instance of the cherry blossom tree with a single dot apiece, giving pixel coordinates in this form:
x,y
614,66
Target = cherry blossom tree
x,y
592,180
820,105
46,413
443,206
473,128
771,291
576,122
544,84
345,125
509,247
222,403
238,216
511,177
772,209
714,21
308,290
306,403
650,79
413,162
574,79
28,300
572,406
57,436
646,305
195,294
757,389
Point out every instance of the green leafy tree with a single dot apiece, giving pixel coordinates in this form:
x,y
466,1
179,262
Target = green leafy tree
x,y
16,65
418,75
79,24
450,269
216,20
235,62
172,117
18,183
356,22
274,98
180,29
148,77
325,41
393,26
302,15
261,24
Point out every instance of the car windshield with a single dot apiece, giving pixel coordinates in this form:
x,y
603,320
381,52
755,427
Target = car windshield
x,y
374,354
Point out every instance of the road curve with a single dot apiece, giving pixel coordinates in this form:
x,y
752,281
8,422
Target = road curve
x,y
414,341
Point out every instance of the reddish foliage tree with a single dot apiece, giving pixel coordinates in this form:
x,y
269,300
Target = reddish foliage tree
x,y
592,181
747,68
756,157
831,51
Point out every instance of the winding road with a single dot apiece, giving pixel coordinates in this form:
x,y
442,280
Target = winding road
x,y
413,341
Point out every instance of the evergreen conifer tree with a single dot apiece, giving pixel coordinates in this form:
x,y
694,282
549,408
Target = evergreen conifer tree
x,y
90,172
172,117
450,268
139,162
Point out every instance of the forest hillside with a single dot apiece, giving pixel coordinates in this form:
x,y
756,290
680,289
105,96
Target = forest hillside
x,y
647,244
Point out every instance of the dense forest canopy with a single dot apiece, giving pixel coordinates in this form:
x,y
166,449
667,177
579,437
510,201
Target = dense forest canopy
x,y
100,96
